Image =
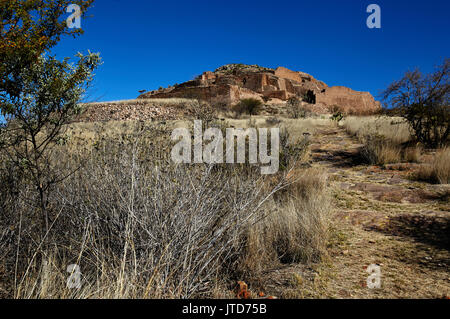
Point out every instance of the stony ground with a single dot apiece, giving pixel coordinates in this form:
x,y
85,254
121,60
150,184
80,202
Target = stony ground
x,y
380,217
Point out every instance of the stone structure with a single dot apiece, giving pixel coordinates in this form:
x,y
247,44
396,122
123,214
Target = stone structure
x,y
230,83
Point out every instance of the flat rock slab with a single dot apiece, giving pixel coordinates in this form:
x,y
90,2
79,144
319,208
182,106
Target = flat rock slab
x,y
396,194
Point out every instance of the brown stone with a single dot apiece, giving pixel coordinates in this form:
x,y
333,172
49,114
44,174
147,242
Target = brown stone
x,y
349,101
231,83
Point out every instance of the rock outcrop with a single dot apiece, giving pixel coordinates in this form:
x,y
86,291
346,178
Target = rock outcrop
x,y
230,83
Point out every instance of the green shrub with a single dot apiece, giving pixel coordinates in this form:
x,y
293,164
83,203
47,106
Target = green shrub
x,y
250,106
338,116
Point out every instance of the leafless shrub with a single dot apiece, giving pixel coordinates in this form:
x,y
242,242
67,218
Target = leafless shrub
x,y
203,111
165,231
141,227
273,121
295,109
423,100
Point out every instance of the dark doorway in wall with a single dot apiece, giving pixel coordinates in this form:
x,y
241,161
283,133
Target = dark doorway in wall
x,y
310,97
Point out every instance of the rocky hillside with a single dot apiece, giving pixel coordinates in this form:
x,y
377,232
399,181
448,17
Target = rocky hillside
x,y
233,82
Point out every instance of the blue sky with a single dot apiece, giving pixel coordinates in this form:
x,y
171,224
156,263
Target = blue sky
x,y
146,44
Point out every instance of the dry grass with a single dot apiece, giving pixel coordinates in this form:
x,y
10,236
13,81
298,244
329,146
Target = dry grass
x,y
295,230
394,129
380,151
139,227
438,171
384,139
412,154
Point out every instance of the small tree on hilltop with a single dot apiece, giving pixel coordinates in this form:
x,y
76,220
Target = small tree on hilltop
x,y
251,106
423,100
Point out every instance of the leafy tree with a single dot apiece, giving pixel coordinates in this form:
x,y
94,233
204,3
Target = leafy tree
x,y
38,93
28,28
423,100
51,91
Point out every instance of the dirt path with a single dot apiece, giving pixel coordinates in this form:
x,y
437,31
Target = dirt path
x,y
382,218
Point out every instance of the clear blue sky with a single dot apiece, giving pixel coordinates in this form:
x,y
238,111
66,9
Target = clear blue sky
x,y
146,44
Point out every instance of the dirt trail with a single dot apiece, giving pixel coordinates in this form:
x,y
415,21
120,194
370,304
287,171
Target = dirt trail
x,y
382,218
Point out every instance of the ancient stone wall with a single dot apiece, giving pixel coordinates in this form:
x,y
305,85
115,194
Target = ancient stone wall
x,y
230,83
348,100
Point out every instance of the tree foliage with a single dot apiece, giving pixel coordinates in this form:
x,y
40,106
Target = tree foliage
x,y
27,29
51,91
423,100
38,93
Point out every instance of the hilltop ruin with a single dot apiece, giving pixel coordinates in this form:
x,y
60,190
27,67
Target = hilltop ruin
x,y
230,83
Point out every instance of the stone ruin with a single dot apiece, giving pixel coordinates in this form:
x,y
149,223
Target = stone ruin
x,y
230,83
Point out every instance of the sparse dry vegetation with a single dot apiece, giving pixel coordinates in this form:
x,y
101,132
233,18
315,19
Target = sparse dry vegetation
x,y
382,139
395,129
379,150
249,106
140,227
386,140
438,171
295,108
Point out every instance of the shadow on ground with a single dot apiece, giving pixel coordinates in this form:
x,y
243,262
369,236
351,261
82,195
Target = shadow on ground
x,y
339,158
430,230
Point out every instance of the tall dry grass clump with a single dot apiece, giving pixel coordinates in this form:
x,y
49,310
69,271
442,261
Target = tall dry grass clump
x,y
394,129
379,150
438,171
412,154
385,139
297,228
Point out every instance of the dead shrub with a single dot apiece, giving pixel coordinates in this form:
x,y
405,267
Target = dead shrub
x,y
139,227
203,111
295,109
